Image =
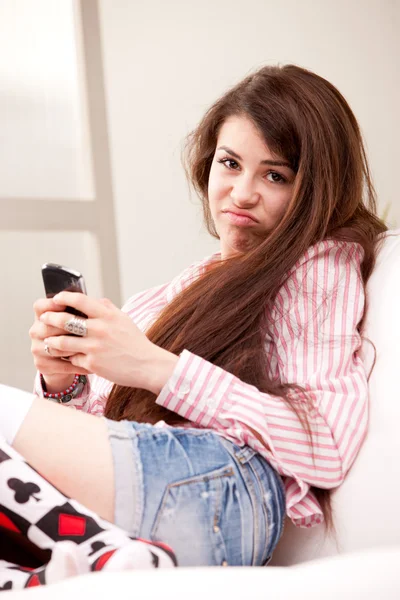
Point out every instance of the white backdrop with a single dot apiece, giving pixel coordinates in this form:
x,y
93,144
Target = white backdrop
x,y
165,62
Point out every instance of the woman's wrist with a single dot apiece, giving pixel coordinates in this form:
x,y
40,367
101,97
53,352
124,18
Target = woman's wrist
x,y
158,368
56,383
65,395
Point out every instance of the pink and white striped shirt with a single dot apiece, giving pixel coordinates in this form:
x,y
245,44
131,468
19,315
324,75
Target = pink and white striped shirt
x,y
313,342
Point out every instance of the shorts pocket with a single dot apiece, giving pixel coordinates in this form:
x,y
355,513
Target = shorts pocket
x,y
189,517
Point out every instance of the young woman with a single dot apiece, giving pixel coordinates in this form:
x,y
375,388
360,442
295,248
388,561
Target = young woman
x,y
235,393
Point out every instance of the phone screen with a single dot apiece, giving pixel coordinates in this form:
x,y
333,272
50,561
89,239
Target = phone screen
x,y
57,278
56,281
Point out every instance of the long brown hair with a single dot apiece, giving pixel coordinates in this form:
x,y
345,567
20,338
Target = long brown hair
x,y
221,316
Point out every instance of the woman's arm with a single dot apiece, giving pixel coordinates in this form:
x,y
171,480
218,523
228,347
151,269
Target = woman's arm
x,y
316,340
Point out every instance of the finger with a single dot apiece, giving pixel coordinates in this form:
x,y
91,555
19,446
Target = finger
x,y
50,366
78,361
90,306
66,344
53,353
46,364
44,304
63,367
107,303
40,356
40,330
58,320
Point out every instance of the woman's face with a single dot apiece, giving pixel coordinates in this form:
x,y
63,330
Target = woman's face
x,y
249,189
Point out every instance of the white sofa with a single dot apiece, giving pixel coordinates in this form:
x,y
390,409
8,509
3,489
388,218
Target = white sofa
x,y
364,560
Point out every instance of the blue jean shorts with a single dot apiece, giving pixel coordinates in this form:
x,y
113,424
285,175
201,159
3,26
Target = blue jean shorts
x,y
213,502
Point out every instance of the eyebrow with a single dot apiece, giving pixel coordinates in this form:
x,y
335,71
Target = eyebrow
x,y
274,163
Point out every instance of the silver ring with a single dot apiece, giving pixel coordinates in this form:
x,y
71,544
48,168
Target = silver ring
x,y
76,326
47,350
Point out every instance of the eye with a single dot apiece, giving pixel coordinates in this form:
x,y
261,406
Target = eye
x,y
225,162
275,177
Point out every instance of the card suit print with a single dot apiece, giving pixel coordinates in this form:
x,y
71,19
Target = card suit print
x,y
34,581
3,456
163,546
7,523
71,525
7,586
102,560
12,521
23,491
65,523
96,546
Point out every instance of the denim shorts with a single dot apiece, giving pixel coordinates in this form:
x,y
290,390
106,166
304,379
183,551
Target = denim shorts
x,y
213,502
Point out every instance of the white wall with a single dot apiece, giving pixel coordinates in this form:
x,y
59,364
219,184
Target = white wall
x,y
44,156
166,61
44,149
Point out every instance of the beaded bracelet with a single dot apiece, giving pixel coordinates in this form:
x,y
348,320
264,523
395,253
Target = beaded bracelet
x,y
67,395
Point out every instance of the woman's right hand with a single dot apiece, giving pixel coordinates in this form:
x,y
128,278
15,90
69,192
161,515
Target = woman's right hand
x,y
58,374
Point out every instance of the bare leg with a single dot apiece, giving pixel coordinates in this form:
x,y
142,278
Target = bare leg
x,y
71,450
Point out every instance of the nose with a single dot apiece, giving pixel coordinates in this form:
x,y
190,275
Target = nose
x,y
244,192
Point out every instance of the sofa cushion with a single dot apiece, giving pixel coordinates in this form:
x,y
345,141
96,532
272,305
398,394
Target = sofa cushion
x,y
367,574
366,504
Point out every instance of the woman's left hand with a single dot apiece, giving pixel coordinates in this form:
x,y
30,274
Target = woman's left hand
x,y
114,347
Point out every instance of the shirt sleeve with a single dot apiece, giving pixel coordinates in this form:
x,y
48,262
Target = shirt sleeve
x,y
316,342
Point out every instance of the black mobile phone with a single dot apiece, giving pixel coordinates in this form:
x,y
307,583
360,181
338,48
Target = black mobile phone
x,y
57,278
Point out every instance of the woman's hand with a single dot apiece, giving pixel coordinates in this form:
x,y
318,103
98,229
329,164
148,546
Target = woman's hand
x,y
57,373
114,346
